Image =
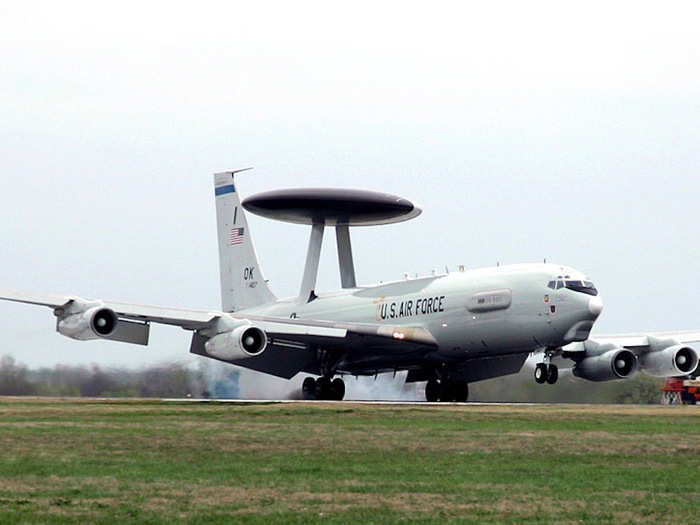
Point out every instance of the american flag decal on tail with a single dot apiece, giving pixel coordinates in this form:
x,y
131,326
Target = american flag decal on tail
x,y
236,236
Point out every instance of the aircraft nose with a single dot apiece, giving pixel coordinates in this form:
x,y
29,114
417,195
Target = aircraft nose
x,y
595,305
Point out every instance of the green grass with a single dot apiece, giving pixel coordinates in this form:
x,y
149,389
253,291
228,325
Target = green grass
x,y
76,461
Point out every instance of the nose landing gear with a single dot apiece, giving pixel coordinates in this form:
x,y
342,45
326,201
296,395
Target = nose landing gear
x,y
546,372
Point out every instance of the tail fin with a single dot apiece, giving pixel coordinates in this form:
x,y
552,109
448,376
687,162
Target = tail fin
x,y
242,282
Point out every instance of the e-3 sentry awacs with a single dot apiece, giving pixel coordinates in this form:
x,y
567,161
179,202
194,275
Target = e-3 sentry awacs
x,y
446,329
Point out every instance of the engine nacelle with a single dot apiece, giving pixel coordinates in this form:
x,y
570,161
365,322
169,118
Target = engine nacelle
x,y
618,363
676,360
95,322
242,342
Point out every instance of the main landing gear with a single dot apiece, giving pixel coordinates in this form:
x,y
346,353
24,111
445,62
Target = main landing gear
x,y
323,388
446,390
546,373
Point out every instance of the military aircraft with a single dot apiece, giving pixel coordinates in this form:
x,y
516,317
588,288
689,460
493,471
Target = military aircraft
x,y
446,329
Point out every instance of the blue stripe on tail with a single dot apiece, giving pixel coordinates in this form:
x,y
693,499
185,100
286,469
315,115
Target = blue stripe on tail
x,y
221,190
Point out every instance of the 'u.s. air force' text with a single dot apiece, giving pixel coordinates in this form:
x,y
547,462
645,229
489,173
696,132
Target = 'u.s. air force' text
x,y
409,308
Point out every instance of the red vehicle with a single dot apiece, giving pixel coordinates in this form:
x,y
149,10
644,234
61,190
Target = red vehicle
x,y
681,390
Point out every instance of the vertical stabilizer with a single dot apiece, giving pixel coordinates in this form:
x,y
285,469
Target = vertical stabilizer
x,y
242,281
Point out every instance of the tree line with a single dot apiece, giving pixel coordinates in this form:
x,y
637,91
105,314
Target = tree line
x,y
172,380
217,380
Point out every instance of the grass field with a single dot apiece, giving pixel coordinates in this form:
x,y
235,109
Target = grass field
x,y
148,461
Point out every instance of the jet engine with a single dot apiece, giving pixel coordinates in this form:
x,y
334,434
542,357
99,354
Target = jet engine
x,y
241,342
618,363
85,321
676,360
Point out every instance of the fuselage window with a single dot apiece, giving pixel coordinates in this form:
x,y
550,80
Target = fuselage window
x,y
586,287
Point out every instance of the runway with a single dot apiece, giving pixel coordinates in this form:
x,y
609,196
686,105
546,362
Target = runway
x,y
344,402
368,402
326,403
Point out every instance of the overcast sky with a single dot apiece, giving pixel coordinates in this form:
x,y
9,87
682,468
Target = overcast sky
x,y
525,132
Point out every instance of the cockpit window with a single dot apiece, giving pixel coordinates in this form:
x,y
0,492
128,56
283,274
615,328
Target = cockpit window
x,y
586,287
560,284
551,284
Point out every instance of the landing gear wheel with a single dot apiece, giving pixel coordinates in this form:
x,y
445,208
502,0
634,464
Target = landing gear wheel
x,y
540,373
432,391
447,391
323,388
552,374
337,389
308,388
461,391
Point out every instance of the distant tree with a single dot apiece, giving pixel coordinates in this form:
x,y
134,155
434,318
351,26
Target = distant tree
x,y
63,379
168,381
642,389
13,378
97,382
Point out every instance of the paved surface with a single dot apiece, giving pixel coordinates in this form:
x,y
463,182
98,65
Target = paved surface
x,y
344,402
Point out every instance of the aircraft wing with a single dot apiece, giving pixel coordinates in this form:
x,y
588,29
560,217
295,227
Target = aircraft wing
x,y
639,341
188,319
299,331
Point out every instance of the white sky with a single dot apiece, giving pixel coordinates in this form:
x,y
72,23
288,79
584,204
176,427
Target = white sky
x,y
569,132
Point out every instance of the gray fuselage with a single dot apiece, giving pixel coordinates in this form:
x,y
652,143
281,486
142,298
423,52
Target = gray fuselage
x,y
471,314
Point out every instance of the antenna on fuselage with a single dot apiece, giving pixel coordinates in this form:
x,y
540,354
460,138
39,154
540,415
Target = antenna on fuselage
x,y
321,207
